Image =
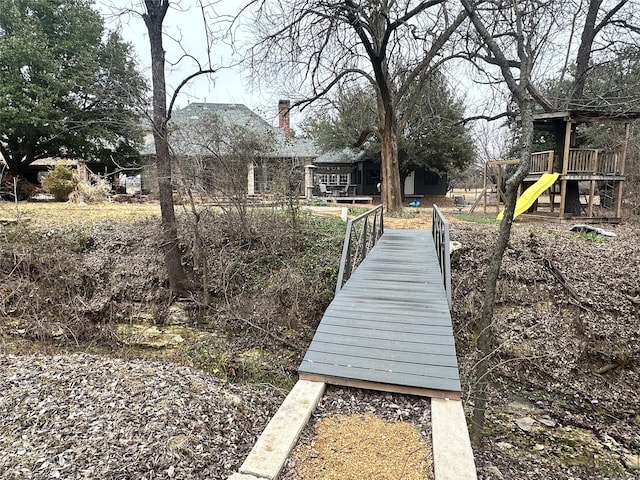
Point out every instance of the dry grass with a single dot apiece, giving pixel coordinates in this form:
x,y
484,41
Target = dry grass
x,y
61,214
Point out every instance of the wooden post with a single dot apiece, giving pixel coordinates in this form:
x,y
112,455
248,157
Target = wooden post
x,y
592,183
499,189
623,158
592,193
552,194
484,194
565,167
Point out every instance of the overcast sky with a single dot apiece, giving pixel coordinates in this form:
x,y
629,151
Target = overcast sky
x,y
184,32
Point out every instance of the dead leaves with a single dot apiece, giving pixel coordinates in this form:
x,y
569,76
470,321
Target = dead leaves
x,y
84,416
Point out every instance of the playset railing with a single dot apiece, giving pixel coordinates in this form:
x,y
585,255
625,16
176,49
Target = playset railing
x,y
581,161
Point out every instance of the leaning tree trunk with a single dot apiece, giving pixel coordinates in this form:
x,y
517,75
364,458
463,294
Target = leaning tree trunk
x,y
156,10
583,56
484,331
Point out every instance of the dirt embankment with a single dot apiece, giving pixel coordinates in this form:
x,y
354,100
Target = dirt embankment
x,y
563,404
564,400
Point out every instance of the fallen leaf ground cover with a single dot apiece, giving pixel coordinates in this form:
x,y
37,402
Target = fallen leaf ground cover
x,y
567,326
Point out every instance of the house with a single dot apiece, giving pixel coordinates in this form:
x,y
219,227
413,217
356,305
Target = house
x,y
350,172
216,144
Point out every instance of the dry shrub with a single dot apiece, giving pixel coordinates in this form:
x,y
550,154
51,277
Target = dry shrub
x,y
96,190
69,283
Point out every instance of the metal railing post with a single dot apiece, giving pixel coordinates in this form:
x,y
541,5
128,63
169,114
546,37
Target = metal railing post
x,y
440,232
368,239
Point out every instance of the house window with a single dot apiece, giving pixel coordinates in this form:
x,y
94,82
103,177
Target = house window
x,y
269,179
334,178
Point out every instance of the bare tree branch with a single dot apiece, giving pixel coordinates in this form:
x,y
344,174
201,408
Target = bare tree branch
x,y
488,118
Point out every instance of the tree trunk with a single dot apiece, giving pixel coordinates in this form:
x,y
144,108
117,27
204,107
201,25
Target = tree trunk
x,y
572,203
156,10
484,329
584,53
391,189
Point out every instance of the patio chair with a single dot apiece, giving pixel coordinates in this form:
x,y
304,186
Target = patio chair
x,y
323,189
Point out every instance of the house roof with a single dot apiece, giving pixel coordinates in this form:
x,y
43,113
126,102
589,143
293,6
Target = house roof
x,y
229,113
346,156
194,121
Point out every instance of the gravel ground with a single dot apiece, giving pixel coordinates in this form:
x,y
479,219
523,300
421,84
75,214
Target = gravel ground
x,y
389,407
85,416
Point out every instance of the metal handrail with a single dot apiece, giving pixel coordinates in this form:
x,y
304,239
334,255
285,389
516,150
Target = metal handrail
x,y
354,252
440,232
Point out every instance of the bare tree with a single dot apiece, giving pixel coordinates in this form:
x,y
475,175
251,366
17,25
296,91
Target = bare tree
x,y
509,38
518,38
321,44
156,11
154,15
612,22
599,16
214,158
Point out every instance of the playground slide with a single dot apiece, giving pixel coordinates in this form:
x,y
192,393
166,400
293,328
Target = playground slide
x,y
530,194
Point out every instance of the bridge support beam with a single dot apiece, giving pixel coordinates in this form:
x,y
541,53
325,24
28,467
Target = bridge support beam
x,y
452,454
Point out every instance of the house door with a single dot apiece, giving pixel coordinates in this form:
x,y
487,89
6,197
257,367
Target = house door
x,y
409,183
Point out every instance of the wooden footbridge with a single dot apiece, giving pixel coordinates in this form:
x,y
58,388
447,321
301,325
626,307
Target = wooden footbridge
x,y
389,326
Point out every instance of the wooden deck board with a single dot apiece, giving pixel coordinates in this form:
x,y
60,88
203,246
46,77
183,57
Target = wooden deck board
x,y
389,326
384,387
398,354
419,329
371,341
390,335
388,316
415,380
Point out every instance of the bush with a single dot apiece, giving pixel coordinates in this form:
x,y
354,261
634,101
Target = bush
x,y
96,191
60,182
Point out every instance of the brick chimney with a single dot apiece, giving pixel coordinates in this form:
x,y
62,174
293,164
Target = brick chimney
x,y
283,117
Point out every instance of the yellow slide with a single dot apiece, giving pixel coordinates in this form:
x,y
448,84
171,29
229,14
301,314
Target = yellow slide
x,y
530,194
